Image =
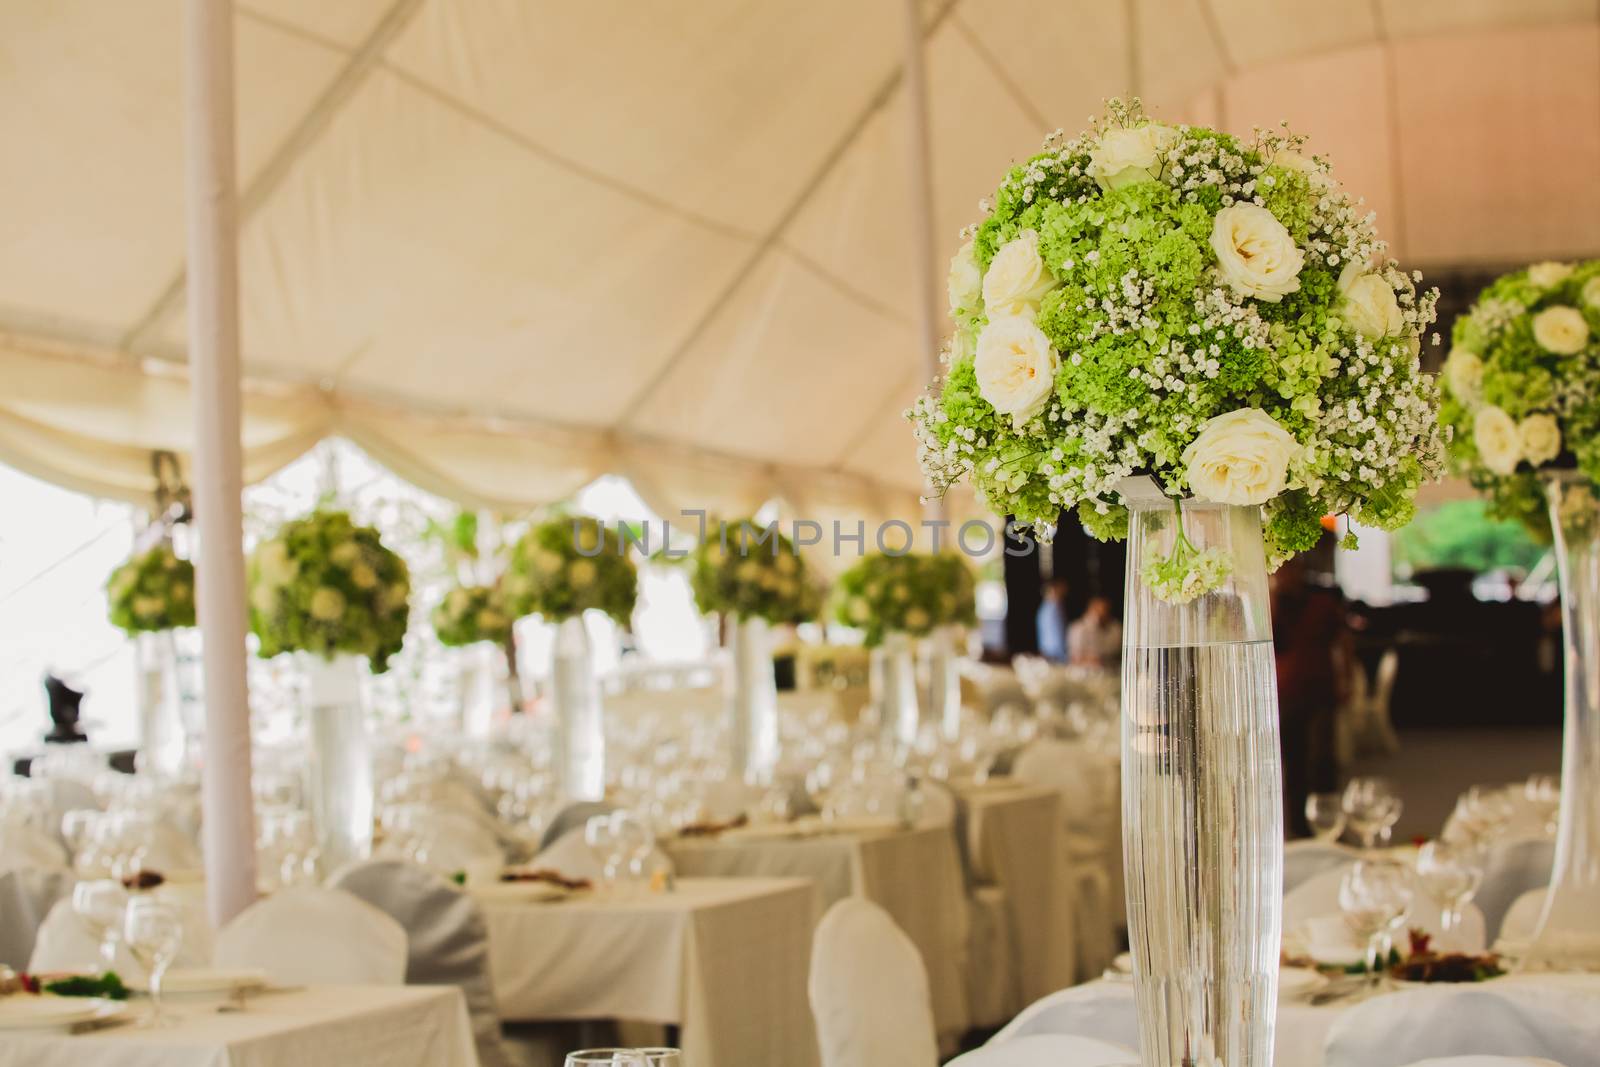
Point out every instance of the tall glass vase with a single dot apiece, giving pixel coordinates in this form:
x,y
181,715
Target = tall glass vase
x,y
1567,936
1202,793
752,700
944,681
162,744
893,681
340,765
579,717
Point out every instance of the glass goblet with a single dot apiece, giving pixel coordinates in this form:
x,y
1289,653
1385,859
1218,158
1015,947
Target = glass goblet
x,y
1325,816
153,931
1374,896
606,1057
1450,875
101,905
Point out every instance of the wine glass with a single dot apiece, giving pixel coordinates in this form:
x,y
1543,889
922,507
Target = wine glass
x,y
634,843
600,835
100,904
1374,896
662,1057
1325,816
607,1057
1365,803
1450,874
153,931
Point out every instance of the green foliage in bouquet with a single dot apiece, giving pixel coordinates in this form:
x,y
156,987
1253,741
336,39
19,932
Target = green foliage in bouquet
x,y
911,593
469,614
152,591
1522,389
567,565
324,585
752,571
1176,302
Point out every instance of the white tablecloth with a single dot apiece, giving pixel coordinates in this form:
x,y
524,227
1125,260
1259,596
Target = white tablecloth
x,y
727,959
1302,1029
914,875
328,1026
1013,838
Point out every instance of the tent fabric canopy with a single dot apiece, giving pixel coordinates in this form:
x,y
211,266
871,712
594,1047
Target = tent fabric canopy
x,y
507,247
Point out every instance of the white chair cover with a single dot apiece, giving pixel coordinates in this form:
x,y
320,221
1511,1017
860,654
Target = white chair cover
x,y
26,897
68,794
572,856
869,991
458,842
447,938
1485,1061
169,848
1050,1050
571,817
1522,921
306,935
1086,783
993,992
1512,869
1318,898
1303,860
1401,1028
27,848
1101,1011
64,943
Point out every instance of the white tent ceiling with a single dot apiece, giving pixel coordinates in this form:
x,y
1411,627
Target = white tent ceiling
x,y
509,245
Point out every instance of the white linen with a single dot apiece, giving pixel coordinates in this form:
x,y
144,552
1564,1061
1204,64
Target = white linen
x,y
306,935
914,875
26,897
869,991
1484,1061
1512,869
24,847
1303,860
1050,1050
1552,1018
724,958
333,1026
1318,899
571,855
64,943
168,848
1522,921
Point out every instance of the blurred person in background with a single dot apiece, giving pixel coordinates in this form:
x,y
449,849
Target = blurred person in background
x,y
1309,640
1051,621
1095,640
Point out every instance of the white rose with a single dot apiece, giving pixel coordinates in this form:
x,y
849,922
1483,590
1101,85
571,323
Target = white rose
x,y
1591,292
1017,278
345,554
274,565
1126,156
456,603
1561,330
1499,443
1255,254
327,604
1541,438
1369,305
489,619
146,607
1548,274
1240,458
364,576
1290,160
916,619
1464,371
1015,367
965,282
582,573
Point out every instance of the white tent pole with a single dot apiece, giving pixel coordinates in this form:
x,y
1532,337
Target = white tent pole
x,y
919,168
229,820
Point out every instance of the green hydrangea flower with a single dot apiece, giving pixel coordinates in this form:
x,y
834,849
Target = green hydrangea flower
x,y
151,592
471,613
910,593
752,571
567,565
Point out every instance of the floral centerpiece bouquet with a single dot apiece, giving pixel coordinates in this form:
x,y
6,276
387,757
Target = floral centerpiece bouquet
x,y
324,585
564,566
151,592
752,572
1175,302
469,614
1522,388
909,593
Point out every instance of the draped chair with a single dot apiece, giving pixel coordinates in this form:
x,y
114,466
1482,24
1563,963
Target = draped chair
x,y
1050,1050
869,991
26,897
306,935
1400,1029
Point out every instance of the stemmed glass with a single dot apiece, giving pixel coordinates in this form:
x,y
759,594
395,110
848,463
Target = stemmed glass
x,y
607,1057
662,1057
1374,896
153,932
1450,874
633,841
1325,816
101,904
599,833
1370,808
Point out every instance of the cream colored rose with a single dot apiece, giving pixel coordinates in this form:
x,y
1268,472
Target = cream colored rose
x,y
1015,367
1499,443
1368,303
1290,160
1541,438
179,592
327,604
582,573
395,596
146,607
1548,274
1561,330
1591,292
1017,279
964,285
344,554
264,598
1126,156
364,576
916,619
545,561
489,620
1240,458
858,610
1463,370
274,565
1256,257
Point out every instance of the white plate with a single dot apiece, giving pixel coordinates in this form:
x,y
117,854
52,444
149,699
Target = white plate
x,y
194,981
24,1011
1298,981
519,892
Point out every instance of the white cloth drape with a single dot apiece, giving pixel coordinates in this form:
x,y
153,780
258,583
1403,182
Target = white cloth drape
x,y
869,991
306,935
